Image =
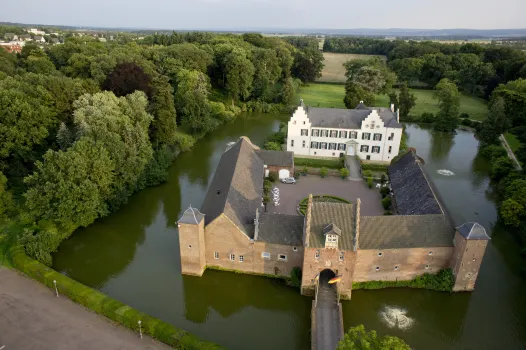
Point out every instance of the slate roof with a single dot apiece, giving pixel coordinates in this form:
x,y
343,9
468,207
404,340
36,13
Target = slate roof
x,y
332,229
277,158
399,231
473,230
342,215
237,186
413,194
191,216
281,229
348,118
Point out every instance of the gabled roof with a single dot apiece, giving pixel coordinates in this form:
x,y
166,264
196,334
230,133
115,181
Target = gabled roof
x,y
281,229
277,158
348,118
342,215
405,231
473,230
413,194
237,186
191,216
332,229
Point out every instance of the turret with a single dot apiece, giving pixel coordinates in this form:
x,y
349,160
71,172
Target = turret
x,y
192,242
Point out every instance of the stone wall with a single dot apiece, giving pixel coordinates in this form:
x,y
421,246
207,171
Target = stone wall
x,y
400,264
466,262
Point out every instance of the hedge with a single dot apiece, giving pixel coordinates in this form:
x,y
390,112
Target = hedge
x,y
442,281
319,163
106,306
374,167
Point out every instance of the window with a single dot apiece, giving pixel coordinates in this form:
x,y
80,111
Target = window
x,y
473,259
282,257
295,249
241,258
390,138
303,144
377,268
375,149
390,149
317,254
343,134
189,246
323,145
341,146
377,137
334,133
342,256
331,241
396,267
430,253
232,257
315,132
367,157
304,132
325,133
216,255
353,135
303,123
427,267
265,255
332,145
364,148
314,145
366,136
380,253
291,143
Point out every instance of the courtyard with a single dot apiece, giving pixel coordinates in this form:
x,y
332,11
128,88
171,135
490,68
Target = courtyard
x,y
290,195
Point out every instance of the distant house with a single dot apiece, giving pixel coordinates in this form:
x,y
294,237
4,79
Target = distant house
x,y
102,40
36,31
25,37
10,47
11,36
54,41
39,38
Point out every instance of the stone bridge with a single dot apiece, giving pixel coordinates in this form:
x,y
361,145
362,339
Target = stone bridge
x,y
327,319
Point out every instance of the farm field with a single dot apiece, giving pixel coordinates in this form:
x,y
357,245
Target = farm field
x,y
331,96
333,72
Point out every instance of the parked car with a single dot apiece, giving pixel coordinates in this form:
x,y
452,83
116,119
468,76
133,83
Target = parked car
x,y
288,180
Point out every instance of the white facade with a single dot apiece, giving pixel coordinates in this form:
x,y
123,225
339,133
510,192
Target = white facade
x,y
36,31
373,141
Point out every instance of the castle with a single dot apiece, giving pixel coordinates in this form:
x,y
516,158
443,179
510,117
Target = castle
x,y
231,231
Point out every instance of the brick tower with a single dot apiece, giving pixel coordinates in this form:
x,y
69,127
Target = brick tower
x,y
470,244
192,242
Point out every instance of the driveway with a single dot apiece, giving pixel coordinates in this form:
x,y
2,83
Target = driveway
x,y
32,317
291,195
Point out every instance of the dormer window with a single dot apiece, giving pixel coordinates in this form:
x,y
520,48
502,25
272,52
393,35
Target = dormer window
x,y
331,232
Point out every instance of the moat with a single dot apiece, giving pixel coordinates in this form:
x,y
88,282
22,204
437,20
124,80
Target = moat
x,y
133,256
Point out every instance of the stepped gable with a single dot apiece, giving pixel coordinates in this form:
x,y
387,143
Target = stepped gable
x,y
237,186
413,193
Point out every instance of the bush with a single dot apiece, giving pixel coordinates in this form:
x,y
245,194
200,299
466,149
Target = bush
x,y
493,152
267,186
427,117
501,167
277,137
295,277
374,167
184,141
466,122
106,306
464,115
318,163
388,212
40,245
323,172
305,170
386,202
272,146
368,173
344,172
384,191
273,176
443,281
297,175
370,182
383,178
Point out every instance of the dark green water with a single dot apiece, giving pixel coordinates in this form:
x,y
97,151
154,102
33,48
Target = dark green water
x,y
133,257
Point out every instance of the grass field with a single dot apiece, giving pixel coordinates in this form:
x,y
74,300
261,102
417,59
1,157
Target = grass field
x,y
331,96
512,141
333,72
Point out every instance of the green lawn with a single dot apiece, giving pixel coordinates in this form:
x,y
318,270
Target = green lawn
x,y
331,96
512,141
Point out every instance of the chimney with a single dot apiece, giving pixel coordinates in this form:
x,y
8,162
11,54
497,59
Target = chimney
x,y
392,107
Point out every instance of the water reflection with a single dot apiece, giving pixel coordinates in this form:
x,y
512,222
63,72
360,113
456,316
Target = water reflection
x,y
441,144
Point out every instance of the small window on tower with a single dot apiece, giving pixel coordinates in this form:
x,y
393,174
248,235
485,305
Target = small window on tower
x,y
216,255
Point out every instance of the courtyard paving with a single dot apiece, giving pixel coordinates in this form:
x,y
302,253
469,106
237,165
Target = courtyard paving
x,y
291,195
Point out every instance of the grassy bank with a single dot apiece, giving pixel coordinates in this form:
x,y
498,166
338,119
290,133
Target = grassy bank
x,y
333,71
512,141
331,96
443,281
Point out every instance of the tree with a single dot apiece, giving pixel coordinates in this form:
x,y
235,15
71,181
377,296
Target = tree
x,y
355,93
407,69
266,73
471,71
448,98
511,211
287,91
406,99
501,167
308,64
496,123
344,172
6,201
239,74
69,188
164,125
358,338
323,172
40,64
272,146
435,67
127,78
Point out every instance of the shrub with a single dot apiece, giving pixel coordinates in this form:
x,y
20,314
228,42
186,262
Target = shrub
x,y
368,173
341,159
297,175
370,182
323,172
272,146
443,281
318,163
273,176
384,191
501,167
388,212
184,141
277,137
344,172
374,167
40,245
427,117
466,122
305,170
464,115
295,277
267,186
493,152
386,203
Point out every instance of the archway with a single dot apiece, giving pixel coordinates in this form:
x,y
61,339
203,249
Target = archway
x,y
325,276
327,293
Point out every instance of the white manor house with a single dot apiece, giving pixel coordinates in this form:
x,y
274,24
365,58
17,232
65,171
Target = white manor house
x,y
372,133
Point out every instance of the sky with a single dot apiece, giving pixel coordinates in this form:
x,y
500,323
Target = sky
x,y
287,14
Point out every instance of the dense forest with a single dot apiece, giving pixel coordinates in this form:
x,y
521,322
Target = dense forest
x,y
85,124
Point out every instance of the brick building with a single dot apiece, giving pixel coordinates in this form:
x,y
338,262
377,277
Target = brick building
x,y
231,231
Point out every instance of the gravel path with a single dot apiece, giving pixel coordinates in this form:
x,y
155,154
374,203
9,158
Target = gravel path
x,y
510,152
32,317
